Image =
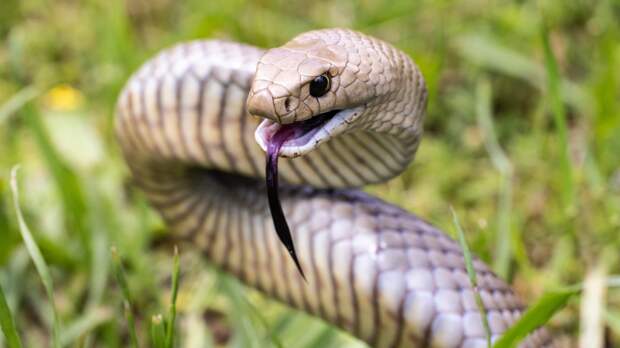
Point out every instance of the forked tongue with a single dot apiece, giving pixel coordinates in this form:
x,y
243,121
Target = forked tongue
x,y
279,220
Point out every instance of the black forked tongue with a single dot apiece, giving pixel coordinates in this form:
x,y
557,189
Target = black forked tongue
x,y
279,220
284,133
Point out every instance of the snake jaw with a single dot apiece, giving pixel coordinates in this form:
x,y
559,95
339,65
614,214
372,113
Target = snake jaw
x,y
306,135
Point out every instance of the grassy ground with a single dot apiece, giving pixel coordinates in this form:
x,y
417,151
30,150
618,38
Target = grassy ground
x,y
523,140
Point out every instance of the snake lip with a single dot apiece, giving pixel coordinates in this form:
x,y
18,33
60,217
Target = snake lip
x,y
306,135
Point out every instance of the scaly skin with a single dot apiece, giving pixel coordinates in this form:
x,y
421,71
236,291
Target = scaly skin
x,y
373,269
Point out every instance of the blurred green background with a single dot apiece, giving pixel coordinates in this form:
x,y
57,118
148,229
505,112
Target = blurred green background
x,y
522,139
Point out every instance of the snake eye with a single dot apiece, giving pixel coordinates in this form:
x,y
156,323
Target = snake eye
x,y
319,86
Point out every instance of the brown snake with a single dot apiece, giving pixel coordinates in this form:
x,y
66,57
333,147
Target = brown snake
x,y
372,269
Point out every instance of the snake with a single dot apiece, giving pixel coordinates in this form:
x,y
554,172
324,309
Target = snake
x,y
339,110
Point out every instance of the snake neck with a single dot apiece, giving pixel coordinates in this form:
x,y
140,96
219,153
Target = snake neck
x,y
398,110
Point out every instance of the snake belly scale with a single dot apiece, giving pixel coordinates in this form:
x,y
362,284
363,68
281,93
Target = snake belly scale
x,y
373,269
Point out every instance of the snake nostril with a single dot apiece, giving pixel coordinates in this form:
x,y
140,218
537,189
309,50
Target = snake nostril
x,y
287,104
290,104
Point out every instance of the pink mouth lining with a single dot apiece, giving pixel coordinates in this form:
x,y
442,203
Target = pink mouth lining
x,y
298,133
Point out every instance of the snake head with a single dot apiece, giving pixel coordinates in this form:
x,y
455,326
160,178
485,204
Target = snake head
x,y
315,87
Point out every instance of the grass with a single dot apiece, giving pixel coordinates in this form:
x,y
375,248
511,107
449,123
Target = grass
x,y
173,301
471,273
521,138
8,323
121,279
538,314
503,251
38,260
157,331
559,119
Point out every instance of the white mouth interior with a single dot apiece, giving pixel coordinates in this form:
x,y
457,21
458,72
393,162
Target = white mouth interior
x,y
308,140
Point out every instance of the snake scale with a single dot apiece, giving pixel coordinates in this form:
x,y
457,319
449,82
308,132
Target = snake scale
x,y
188,124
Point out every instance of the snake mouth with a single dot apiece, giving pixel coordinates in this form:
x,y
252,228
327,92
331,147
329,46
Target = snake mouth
x,y
299,138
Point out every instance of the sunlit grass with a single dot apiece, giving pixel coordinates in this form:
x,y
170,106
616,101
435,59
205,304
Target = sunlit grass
x,y
37,259
538,314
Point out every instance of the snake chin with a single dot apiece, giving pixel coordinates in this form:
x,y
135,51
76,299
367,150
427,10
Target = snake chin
x,y
304,136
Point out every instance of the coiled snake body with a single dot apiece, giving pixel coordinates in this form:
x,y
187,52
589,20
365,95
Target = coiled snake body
x,y
372,269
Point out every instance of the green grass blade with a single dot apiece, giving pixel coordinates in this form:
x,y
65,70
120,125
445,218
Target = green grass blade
x,y
17,101
247,318
536,316
490,53
65,178
503,250
559,117
539,313
119,272
131,323
82,326
485,122
173,300
158,331
471,272
326,338
99,266
8,324
37,258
